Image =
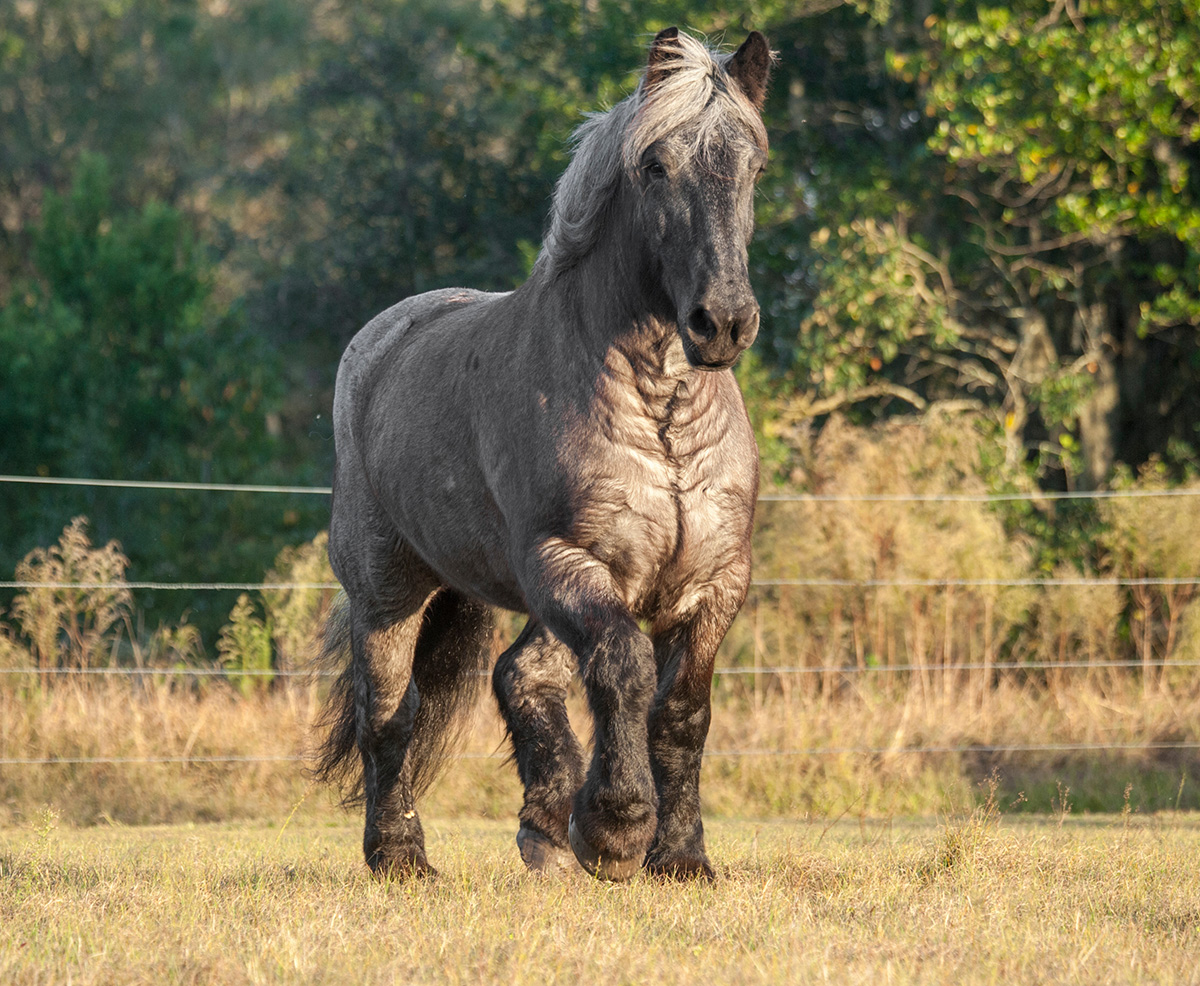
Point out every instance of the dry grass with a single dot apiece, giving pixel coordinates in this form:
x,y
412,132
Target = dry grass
x,y
117,719
974,899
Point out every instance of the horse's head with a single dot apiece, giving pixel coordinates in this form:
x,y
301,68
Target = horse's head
x,y
694,150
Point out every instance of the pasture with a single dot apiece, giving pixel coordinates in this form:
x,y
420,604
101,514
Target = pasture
x,y
856,867
977,898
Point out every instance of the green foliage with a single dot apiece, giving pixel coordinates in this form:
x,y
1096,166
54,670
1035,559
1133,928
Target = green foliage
x,y
989,207
875,300
245,645
285,637
993,206
122,366
296,615
150,375
1107,94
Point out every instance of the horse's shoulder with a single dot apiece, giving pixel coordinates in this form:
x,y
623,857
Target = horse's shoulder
x,y
731,400
737,431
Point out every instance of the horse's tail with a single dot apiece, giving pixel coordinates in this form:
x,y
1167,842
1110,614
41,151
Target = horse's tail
x,y
449,667
450,661
336,761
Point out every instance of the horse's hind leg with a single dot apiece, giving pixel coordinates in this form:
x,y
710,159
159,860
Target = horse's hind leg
x,y
449,666
386,702
415,667
530,682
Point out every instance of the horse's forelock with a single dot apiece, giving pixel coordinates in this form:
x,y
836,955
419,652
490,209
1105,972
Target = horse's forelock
x,y
692,95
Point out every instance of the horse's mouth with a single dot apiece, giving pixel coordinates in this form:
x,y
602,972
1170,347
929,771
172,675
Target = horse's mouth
x,y
717,354
697,361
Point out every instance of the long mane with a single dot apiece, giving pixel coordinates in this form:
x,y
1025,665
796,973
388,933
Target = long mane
x,y
692,96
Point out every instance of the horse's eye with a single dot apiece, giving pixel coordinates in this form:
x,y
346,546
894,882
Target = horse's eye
x,y
654,170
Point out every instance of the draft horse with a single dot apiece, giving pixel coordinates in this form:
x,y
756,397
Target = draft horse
x,y
578,450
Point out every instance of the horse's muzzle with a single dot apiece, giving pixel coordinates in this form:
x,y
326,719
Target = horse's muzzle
x,y
713,337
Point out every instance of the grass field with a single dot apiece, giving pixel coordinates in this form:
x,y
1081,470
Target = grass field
x,y
975,899
134,723
126,870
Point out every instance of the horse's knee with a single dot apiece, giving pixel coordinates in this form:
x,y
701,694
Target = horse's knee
x,y
615,812
619,671
532,673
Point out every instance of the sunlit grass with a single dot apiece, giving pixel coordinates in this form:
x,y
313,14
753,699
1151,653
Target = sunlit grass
x,y
142,721
971,899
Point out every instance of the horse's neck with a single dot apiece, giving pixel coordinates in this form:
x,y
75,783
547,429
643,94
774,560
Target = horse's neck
x,y
609,303
627,331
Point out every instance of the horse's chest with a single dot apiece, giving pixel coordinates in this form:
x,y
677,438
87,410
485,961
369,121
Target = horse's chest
x,y
629,512
632,527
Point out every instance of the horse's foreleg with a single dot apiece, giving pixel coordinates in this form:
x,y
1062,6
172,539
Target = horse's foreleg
x,y
613,813
386,703
679,720
530,683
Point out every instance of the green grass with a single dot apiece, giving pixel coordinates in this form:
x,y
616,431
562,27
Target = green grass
x,y
972,899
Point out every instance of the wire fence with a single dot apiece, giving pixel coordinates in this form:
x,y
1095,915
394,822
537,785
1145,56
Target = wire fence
x,y
766,670
1043,583
1034,496
813,751
997,668
964,749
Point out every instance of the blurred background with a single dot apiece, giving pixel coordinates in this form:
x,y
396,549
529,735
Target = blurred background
x,y
975,390
977,258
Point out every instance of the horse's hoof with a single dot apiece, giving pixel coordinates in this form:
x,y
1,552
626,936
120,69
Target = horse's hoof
x,y
682,868
402,869
601,867
541,855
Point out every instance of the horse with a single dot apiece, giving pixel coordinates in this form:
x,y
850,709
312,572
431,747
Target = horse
x,y
578,450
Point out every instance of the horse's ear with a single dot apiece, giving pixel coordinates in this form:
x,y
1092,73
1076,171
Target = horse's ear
x,y
663,51
750,67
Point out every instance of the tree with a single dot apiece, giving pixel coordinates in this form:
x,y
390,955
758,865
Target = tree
x,y
1014,226
119,366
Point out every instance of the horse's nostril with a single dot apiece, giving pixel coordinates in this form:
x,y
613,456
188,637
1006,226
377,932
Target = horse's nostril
x,y
735,330
701,324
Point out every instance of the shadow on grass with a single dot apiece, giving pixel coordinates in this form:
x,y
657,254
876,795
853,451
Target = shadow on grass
x,y
1091,782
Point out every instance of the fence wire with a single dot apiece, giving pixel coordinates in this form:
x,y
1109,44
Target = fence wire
x,y
831,669
137,484
1037,496
1035,583
997,668
1000,749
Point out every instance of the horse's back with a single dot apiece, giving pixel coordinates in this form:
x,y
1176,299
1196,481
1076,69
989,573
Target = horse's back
x,y
385,335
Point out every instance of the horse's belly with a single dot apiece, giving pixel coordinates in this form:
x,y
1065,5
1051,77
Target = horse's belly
x,y
440,507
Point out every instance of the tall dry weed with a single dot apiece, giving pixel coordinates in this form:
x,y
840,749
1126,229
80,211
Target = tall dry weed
x,y
245,645
73,627
1077,623
1155,537
296,615
294,606
795,755
878,541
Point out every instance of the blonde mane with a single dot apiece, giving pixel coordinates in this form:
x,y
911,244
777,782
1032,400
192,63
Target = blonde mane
x,y
692,96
